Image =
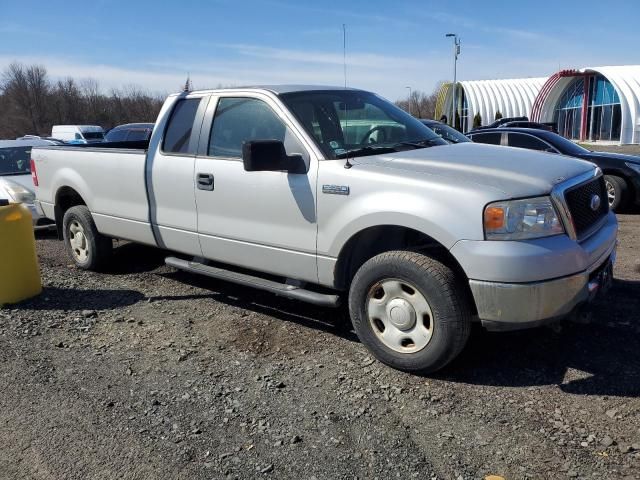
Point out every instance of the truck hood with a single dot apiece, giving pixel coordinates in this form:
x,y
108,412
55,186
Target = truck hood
x,y
514,172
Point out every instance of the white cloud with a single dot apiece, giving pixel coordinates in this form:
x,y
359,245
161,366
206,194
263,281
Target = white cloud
x,y
305,56
248,65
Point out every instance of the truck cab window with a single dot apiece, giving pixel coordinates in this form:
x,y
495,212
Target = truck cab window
x,y
179,128
239,120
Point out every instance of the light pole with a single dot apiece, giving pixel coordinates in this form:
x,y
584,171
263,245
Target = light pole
x,y
409,102
456,52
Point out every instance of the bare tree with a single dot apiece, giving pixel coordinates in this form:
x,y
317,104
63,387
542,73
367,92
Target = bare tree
x,y
31,103
26,90
420,104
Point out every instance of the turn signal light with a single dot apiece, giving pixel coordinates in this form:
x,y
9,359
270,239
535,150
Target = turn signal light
x,y
493,218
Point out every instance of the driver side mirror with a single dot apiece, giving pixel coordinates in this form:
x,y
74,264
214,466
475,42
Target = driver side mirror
x,y
270,156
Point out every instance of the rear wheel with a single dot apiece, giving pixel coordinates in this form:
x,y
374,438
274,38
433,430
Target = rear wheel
x,y
410,310
89,249
616,192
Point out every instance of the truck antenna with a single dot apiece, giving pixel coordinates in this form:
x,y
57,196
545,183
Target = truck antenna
x,y
187,84
344,65
344,52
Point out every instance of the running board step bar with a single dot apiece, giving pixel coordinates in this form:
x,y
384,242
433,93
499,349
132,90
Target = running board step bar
x,y
282,289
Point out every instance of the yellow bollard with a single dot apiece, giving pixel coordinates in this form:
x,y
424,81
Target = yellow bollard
x,y
19,272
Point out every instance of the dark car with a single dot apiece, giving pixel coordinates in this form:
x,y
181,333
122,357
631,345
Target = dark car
x,y
622,172
446,132
130,132
527,124
501,121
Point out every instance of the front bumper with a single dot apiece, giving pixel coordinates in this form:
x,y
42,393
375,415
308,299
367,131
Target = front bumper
x,y
515,306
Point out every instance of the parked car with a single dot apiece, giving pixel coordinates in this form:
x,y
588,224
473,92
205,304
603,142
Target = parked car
x,y
16,183
130,132
444,131
502,121
78,133
526,124
317,193
622,172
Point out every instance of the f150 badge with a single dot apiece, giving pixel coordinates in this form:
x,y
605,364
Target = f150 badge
x,y
336,189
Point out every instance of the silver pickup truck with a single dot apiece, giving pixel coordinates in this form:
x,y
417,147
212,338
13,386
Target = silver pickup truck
x,y
319,194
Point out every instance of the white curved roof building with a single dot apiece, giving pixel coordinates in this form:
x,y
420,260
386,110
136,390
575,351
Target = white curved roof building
x,y
593,104
511,98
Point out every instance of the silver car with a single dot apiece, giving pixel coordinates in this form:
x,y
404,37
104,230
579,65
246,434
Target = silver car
x,y
16,182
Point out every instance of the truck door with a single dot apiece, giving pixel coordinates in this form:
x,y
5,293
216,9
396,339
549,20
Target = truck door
x,y
264,221
170,187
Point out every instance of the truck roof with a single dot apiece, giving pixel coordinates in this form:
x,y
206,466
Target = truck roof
x,y
277,89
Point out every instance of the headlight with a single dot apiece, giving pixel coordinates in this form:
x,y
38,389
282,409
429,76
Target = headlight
x,y
521,219
18,193
634,166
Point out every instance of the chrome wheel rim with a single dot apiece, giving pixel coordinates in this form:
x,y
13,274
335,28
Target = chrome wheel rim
x,y
78,242
611,193
399,315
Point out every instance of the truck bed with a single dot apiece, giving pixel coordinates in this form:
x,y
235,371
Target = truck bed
x,y
117,195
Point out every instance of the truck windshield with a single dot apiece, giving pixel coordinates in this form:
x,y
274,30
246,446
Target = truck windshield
x,y
355,123
15,160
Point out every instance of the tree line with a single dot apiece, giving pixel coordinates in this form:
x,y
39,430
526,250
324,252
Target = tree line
x,y
420,104
31,103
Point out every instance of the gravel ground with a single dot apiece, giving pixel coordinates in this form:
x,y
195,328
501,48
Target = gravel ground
x,y
148,373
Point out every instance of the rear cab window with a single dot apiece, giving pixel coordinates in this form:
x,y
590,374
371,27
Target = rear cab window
x,y
179,130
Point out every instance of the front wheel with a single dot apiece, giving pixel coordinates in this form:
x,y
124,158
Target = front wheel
x,y
616,192
410,310
89,249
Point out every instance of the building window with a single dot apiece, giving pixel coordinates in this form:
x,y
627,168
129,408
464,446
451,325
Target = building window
x,y
568,113
604,114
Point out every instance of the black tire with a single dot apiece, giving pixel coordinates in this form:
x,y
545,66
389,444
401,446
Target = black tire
x,y
447,298
619,187
98,247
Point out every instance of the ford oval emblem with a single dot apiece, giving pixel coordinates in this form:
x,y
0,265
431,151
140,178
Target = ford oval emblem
x,y
595,203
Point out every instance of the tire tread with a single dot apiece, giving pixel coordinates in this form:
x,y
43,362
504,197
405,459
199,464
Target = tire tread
x,y
451,289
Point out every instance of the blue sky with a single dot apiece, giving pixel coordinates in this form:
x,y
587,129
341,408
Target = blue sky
x,y
391,44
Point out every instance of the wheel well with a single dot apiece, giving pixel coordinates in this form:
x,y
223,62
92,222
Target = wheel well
x,y
66,197
372,241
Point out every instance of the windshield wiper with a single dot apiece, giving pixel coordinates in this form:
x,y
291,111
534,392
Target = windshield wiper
x,y
376,149
7,174
428,142
368,150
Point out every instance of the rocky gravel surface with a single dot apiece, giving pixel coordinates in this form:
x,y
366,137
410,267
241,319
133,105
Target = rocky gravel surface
x,y
143,372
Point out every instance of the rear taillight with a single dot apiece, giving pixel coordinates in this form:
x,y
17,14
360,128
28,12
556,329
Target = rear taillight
x,y
34,174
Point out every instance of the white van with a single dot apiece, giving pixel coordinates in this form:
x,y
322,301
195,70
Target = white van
x,y
78,133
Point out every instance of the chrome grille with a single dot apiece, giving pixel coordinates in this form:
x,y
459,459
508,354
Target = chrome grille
x,y
579,203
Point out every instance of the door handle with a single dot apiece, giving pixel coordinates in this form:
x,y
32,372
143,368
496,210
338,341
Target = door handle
x,y
204,181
